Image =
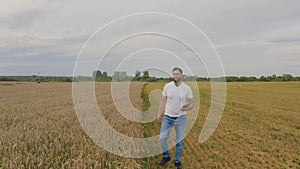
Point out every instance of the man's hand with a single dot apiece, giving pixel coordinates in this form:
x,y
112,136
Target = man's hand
x,y
160,118
188,106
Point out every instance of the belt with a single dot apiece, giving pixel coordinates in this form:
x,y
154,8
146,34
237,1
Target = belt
x,y
171,117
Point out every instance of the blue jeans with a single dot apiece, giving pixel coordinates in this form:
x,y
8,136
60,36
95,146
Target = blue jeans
x,y
167,124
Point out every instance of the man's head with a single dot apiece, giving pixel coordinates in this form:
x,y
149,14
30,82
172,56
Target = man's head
x,y
177,74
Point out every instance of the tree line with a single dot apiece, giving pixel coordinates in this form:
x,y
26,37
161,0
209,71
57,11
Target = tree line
x,y
100,76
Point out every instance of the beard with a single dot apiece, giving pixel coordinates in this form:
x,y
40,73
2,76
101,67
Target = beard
x,y
176,81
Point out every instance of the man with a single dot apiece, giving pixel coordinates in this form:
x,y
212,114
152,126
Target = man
x,y
174,100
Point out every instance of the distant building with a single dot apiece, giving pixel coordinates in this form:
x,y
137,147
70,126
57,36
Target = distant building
x,y
119,76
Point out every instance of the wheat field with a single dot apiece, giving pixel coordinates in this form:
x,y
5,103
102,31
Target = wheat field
x,y
39,127
260,128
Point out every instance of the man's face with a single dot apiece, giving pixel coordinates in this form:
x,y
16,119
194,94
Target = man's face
x,y
177,75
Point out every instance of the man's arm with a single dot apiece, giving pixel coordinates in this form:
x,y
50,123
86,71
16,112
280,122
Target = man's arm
x,y
161,108
189,99
190,106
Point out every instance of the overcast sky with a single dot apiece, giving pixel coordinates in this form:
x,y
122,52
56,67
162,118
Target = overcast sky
x,y
253,38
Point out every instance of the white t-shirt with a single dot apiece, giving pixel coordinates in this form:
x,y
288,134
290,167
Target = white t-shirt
x,y
176,98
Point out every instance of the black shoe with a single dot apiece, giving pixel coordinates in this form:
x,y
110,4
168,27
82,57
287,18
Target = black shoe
x,y
178,165
164,161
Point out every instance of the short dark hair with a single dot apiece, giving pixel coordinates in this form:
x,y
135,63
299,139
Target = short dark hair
x,y
177,68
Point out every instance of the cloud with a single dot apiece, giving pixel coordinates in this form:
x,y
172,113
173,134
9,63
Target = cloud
x,y
23,19
293,40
